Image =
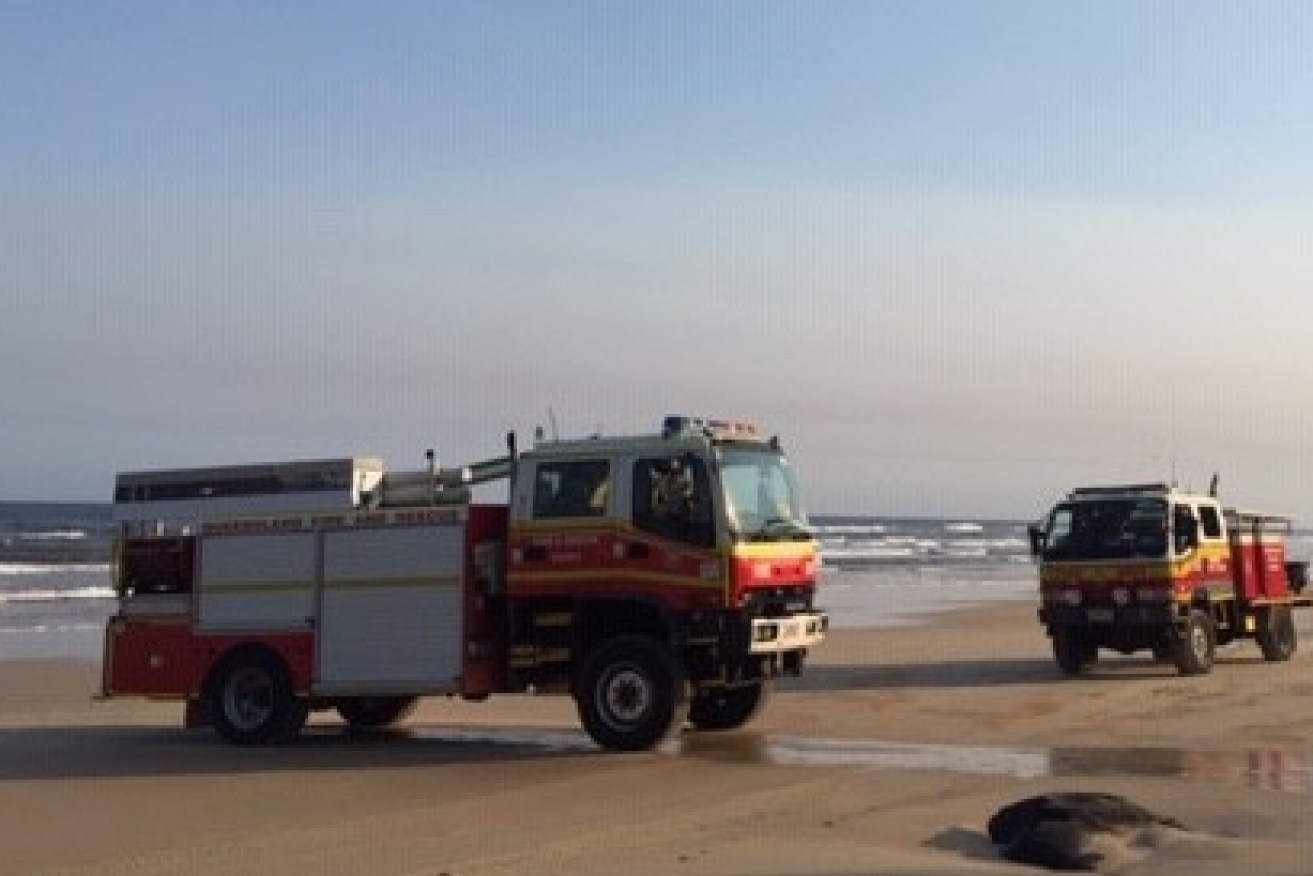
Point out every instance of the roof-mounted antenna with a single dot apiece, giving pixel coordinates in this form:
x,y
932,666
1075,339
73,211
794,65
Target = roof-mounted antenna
x,y
551,418
431,458
1212,486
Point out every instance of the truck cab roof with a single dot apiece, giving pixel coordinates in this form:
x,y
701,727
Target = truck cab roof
x,y
678,434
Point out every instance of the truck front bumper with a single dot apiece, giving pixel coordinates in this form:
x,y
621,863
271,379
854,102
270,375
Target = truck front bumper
x,y
778,635
1107,616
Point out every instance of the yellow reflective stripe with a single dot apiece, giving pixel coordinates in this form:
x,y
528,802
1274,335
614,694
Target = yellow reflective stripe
x,y
617,576
602,524
448,580
248,586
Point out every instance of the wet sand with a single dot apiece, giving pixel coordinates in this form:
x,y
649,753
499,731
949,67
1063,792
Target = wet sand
x,y
889,757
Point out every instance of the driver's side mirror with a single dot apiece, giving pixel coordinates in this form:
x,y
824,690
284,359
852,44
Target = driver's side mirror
x,y
1036,539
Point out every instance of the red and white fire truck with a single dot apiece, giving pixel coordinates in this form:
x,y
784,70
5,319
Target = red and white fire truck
x,y
1153,567
657,579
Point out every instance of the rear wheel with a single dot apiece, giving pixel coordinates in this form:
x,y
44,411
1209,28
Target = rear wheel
x,y
252,701
1276,634
630,694
1195,646
727,707
368,713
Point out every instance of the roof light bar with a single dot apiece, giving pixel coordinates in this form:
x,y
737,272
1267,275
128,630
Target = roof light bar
x,y
678,424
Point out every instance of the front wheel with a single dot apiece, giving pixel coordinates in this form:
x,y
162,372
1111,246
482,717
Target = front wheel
x,y
630,694
1276,634
727,707
1072,651
1195,646
253,703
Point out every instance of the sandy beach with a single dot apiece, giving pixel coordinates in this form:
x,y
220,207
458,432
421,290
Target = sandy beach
x,y
888,758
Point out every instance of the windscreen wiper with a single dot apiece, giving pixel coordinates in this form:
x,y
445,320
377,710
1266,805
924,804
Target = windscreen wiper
x,y
783,526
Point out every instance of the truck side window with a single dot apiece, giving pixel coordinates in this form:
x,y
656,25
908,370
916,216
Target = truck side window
x,y
672,498
1059,529
573,488
1210,522
1185,529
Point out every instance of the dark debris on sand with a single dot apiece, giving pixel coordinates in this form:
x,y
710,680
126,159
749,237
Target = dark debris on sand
x,y
1079,831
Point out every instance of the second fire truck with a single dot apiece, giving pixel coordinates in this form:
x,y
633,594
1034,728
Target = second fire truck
x,y
657,579
1153,567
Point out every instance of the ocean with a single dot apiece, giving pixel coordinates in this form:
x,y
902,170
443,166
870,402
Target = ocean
x,y
892,571
56,594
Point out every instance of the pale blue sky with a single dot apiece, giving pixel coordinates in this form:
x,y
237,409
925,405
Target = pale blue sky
x,y
960,255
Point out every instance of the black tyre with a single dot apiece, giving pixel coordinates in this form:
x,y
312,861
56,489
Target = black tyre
x,y
630,694
727,707
1276,634
1195,646
252,701
369,713
1071,651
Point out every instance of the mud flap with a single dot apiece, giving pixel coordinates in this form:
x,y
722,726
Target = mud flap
x,y
196,715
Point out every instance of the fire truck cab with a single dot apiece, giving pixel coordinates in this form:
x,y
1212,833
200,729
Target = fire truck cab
x,y
1153,567
658,579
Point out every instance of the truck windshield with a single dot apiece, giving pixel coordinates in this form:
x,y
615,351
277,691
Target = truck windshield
x,y
1107,529
761,496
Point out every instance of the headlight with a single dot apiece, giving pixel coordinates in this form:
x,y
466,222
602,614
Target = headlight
x,y
1071,597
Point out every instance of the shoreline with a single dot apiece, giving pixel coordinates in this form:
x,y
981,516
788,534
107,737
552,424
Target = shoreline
x,y
70,642
852,597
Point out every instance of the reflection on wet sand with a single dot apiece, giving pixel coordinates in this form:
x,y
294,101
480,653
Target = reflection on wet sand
x,y
1263,769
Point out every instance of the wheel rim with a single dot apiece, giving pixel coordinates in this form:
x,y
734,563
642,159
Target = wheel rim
x,y
1199,642
248,698
625,697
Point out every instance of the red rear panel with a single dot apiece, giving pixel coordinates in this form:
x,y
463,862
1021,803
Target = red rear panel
x,y
151,659
1260,566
